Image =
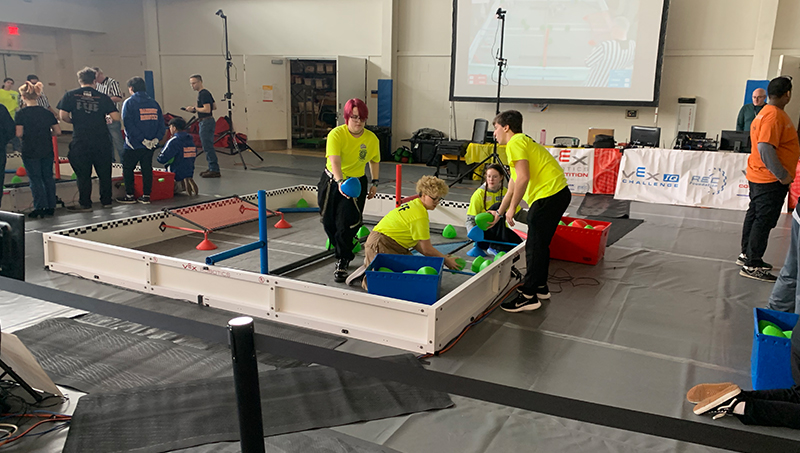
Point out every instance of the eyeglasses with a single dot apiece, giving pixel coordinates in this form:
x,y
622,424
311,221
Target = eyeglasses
x,y
435,199
357,118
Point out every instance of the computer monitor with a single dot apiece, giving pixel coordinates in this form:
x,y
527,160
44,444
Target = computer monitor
x,y
480,129
645,136
12,245
738,141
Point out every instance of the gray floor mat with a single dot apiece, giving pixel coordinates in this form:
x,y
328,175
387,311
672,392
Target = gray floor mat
x,y
619,227
91,358
200,412
317,441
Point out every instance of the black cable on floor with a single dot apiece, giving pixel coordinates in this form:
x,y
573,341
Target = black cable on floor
x,y
561,277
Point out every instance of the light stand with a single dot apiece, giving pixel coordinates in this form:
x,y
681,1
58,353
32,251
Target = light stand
x,y
234,147
501,62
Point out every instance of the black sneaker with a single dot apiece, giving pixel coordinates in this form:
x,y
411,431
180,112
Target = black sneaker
x,y
741,260
340,272
79,208
49,211
210,174
36,213
757,273
144,199
521,303
721,403
543,293
127,199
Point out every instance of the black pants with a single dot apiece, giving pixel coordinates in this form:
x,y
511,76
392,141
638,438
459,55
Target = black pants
x,y
85,154
144,158
762,215
543,218
499,232
341,217
780,407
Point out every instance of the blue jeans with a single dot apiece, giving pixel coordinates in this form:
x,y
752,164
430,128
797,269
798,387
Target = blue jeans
x,y
43,186
115,131
207,126
785,295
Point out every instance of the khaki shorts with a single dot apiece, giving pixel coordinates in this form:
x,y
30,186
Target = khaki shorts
x,y
380,243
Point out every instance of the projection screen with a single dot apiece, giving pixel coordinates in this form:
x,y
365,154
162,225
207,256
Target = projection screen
x,y
600,52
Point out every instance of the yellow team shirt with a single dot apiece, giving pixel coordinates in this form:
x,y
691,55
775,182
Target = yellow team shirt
x,y
546,175
10,100
407,224
476,203
354,152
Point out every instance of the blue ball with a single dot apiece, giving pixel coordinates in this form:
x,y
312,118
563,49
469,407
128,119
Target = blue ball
x,y
351,187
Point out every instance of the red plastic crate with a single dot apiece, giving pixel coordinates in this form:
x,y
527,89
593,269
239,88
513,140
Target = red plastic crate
x,y
580,245
162,190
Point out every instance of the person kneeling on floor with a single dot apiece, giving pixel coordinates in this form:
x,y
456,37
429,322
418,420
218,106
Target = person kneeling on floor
x,y
406,227
178,155
779,407
488,197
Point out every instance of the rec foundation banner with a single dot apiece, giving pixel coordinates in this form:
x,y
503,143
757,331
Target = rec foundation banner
x,y
689,178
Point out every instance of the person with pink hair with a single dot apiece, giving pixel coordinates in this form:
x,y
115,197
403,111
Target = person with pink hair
x,y
349,148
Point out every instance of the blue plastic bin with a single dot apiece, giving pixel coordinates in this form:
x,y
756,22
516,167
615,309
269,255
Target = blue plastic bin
x,y
770,362
412,287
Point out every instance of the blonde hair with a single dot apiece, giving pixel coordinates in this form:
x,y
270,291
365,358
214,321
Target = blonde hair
x,y
30,91
432,187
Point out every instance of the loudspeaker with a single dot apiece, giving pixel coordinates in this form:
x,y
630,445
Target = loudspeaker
x,y
479,129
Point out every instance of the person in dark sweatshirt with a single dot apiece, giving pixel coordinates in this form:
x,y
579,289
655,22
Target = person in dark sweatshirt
x,y
144,127
178,155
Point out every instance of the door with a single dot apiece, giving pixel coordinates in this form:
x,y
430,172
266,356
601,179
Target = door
x,y
18,66
266,81
351,82
790,65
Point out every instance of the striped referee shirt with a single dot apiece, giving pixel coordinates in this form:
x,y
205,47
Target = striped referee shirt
x,y
41,100
606,57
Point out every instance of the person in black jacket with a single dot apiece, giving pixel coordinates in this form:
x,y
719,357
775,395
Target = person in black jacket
x,y
7,132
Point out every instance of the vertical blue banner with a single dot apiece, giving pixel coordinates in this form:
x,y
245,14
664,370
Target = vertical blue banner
x,y
385,102
148,80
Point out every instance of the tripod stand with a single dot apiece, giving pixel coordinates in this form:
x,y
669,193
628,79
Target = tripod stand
x,y
234,147
501,62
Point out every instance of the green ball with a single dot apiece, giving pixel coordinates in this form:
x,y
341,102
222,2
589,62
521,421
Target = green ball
x,y
410,271
499,255
302,203
362,232
773,331
476,264
763,324
483,220
588,227
384,269
16,179
449,232
561,222
357,247
787,333
160,179
485,264
74,176
328,245
398,157
427,270
461,262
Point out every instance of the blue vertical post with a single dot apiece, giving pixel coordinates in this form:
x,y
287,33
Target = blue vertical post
x,y
262,229
148,82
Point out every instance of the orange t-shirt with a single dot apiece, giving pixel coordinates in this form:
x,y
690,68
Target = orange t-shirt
x,y
772,125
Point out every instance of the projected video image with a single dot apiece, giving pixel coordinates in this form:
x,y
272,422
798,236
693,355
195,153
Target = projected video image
x,y
556,43
606,49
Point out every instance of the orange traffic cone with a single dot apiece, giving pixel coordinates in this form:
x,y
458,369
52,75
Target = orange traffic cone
x,y
205,244
282,223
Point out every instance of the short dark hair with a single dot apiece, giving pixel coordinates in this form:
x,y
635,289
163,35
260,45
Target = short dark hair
x,y
779,86
87,75
32,77
7,79
178,122
510,118
196,76
137,84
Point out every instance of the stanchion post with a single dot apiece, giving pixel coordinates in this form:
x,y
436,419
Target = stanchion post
x,y
262,230
398,189
55,158
245,377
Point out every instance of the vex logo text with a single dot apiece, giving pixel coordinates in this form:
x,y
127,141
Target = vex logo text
x,y
641,176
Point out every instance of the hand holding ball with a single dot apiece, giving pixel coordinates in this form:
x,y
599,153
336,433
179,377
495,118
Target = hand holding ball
x,y
483,220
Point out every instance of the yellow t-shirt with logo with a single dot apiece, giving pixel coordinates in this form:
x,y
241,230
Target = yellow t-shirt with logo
x,y
355,152
406,224
10,100
546,175
476,203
